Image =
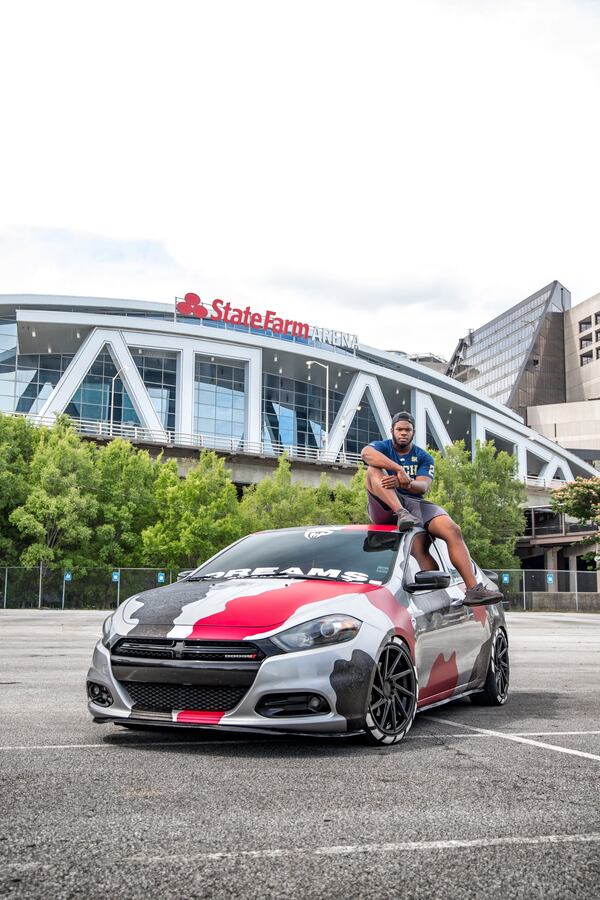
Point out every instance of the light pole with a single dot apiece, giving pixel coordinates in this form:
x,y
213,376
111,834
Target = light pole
x,y
112,395
315,362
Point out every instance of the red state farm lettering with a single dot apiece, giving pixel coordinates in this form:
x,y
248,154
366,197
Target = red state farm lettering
x,y
192,305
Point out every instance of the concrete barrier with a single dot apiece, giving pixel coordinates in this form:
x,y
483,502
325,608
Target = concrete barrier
x,y
563,601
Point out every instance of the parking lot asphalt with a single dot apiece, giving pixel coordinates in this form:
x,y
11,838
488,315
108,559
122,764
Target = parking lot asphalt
x,y
476,802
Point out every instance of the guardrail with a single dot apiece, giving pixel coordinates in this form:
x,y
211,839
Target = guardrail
x,y
543,483
137,434
98,430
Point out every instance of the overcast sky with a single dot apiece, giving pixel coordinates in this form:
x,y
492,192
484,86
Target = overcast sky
x,y
401,170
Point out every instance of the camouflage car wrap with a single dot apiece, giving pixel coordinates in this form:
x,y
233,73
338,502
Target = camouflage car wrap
x,y
167,650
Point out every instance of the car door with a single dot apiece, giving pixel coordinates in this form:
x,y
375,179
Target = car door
x,y
475,632
443,639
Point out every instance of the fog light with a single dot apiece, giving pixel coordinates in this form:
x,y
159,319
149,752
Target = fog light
x,y
275,706
99,694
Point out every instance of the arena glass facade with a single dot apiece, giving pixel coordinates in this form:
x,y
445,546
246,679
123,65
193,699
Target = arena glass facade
x,y
138,370
518,358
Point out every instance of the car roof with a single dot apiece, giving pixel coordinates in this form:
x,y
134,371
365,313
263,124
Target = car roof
x,y
302,528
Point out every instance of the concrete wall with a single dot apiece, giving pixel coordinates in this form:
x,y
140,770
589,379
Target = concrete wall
x,y
583,382
556,601
570,424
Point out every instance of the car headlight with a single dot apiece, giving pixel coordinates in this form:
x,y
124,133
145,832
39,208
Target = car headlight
x,y
318,633
106,629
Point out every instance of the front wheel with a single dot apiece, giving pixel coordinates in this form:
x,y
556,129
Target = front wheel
x,y
495,688
393,699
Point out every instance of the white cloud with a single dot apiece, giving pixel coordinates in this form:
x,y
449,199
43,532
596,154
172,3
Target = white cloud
x,y
438,159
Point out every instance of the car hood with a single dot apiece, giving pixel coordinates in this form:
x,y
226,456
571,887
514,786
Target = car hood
x,y
233,604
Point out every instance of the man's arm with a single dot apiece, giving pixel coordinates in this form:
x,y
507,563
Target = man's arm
x,y
419,485
378,460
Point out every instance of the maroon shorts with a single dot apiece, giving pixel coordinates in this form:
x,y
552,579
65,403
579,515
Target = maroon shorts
x,y
381,514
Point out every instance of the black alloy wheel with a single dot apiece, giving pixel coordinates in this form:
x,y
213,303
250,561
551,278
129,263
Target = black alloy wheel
x,y
393,699
495,688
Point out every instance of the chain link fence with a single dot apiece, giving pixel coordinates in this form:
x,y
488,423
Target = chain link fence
x,y
20,588
559,590
41,588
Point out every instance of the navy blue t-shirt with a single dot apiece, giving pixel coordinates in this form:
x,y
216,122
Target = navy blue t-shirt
x,y
417,462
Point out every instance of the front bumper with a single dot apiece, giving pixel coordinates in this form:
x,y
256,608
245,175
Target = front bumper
x,y
340,674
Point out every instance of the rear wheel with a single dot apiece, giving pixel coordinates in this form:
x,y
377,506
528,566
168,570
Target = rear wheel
x,y
393,699
495,689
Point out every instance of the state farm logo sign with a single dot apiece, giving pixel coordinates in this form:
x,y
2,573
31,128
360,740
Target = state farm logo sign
x,y
221,311
192,305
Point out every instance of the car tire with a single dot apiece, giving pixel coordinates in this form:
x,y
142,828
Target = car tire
x,y
495,687
392,703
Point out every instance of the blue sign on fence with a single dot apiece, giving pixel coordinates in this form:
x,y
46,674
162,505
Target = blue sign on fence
x,y
115,576
161,577
506,578
68,576
550,578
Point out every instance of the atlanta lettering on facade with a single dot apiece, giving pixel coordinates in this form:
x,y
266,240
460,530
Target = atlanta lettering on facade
x,y
221,311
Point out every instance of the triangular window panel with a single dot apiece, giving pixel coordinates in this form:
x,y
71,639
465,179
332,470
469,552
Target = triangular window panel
x,y
158,371
501,444
431,438
363,429
96,400
36,377
534,465
559,475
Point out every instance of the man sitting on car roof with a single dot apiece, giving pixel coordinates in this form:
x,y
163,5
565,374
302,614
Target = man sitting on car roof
x,y
399,474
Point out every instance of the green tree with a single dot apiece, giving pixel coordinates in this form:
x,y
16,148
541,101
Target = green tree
x,y
580,499
127,502
197,515
57,517
276,502
350,501
485,498
18,441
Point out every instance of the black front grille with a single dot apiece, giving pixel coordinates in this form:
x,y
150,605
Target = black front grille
x,y
167,697
204,651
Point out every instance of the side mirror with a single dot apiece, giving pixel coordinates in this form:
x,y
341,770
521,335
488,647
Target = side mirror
x,y
493,576
184,574
429,581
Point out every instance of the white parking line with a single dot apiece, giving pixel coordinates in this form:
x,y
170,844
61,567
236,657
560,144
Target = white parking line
x,y
406,846
342,850
549,733
516,738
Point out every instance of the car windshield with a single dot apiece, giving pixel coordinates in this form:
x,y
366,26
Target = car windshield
x,y
333,554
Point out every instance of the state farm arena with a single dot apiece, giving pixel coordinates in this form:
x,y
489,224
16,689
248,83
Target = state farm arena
x,y
249,384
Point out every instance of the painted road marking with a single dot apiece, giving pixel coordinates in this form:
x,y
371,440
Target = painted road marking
x,y
517,738
342,850
475,733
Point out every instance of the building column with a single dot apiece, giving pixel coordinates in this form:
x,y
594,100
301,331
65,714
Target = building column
x,y
551,564
521,452
472,442
186,373
417,407
254,399
572,574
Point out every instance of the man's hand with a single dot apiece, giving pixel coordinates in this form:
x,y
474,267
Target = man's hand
x,y
400,479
